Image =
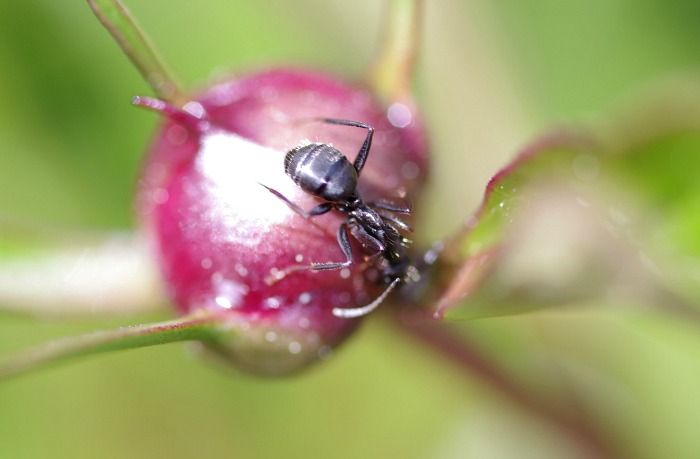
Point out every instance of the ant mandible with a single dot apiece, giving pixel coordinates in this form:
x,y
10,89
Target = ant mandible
x,y
323,171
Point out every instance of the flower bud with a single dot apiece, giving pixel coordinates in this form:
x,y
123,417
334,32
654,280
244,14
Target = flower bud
x,y
225,243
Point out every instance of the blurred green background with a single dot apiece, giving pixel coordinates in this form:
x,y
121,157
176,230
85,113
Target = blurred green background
x,y
491,76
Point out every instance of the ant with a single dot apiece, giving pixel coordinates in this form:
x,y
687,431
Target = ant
x,y
323,171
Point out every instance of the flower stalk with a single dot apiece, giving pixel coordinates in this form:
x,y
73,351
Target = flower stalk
x,y
197,326
117,19
391,73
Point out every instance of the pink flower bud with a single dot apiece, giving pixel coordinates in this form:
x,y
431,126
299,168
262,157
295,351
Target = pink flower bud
x,y
223,241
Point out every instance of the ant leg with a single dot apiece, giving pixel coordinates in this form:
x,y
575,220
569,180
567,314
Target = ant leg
x,y
343,242
368,241
351,313
364,150
390,206
320,209
397,222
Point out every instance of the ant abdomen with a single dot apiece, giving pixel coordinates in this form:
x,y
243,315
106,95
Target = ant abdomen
x,y
321,170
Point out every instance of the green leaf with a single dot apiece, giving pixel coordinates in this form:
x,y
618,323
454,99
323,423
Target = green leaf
x,y
588,215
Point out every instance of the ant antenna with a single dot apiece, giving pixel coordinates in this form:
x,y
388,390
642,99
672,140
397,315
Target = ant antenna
x,y
352,313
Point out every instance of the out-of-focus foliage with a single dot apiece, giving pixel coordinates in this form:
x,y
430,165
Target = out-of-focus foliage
x,y
578,216
491,77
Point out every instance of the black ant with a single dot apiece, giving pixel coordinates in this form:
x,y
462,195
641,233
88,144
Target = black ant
x,y
323,171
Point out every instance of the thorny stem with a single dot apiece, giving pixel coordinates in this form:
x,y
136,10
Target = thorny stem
x,y
459,351
390,74
117,19
193,327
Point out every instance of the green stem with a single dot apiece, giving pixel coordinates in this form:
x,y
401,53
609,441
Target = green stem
x,y
78,273
138,47
391,73
458,350
193,327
